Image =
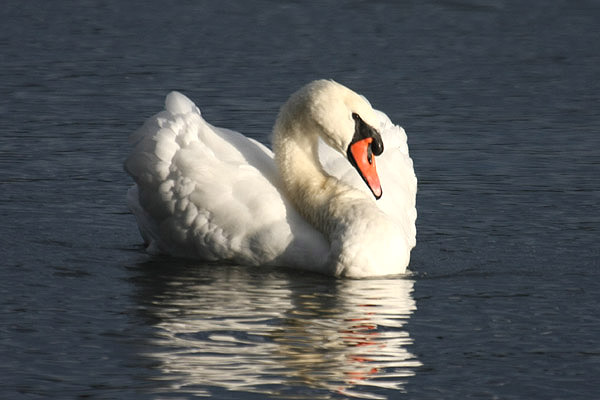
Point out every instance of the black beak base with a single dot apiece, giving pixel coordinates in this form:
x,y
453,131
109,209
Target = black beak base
x,y
362,130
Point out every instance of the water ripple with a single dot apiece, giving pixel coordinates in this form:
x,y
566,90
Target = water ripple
x,y
229,331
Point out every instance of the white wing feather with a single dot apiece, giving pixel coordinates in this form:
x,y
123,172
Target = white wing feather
x,y
211,193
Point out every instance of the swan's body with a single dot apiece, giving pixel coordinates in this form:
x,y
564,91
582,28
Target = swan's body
x,y
211,193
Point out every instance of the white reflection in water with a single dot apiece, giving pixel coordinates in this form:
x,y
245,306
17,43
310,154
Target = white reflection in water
x,y
283,334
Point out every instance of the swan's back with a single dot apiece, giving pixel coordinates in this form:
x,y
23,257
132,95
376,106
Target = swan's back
x,y
211,193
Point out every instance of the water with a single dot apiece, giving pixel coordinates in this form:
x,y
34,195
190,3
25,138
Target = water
x,y
500,102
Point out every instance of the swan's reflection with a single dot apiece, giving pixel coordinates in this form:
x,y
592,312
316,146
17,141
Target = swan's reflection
x,y
278,333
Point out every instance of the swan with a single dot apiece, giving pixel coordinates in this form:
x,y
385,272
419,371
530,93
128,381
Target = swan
x,y
336,195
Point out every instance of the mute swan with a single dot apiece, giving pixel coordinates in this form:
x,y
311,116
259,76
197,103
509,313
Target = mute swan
x,y
318,203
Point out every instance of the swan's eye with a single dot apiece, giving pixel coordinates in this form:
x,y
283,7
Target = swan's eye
x,y
355,116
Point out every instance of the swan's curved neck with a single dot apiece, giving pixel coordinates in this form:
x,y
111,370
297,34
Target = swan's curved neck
x,y
316,194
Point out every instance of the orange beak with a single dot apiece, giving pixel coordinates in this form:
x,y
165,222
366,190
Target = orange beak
x,y
361,156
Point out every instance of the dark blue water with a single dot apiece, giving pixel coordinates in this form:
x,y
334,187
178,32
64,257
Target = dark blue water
x,y
500,100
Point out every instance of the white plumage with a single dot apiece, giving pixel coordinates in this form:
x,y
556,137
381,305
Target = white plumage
x,y
211,193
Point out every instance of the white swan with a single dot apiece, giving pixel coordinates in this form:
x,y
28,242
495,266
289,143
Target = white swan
x,y
214,194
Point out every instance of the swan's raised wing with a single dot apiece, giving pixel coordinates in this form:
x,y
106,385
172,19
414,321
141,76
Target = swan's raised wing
x,y
211,193
396,174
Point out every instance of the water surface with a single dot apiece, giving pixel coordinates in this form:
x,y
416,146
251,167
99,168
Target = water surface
x,y
500,103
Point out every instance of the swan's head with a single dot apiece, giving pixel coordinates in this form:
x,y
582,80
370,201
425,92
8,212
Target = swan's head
x,y
346,122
